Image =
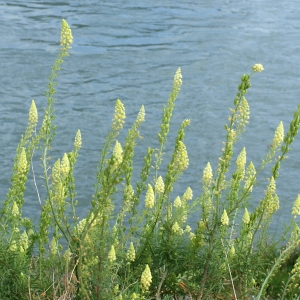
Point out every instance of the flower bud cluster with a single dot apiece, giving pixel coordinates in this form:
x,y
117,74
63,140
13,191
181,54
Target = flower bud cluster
x,y
131,253
159,185
181,161
188,195
257,68
207,177
224,218
240,164
146,279
149,201
177,202
111,254
246,217
33,114
118,153
22,165
296,207
119,116
250,177
66,37
177,229
77,142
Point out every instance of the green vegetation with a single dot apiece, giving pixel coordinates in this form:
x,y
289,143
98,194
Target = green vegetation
x,y
145,249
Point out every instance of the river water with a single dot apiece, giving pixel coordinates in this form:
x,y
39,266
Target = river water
x,y
131,50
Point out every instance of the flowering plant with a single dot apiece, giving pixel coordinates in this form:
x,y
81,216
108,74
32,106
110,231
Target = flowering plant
x,y
145,249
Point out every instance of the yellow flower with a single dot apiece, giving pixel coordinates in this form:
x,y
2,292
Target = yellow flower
x,y
22,166
224,218
66,37
278,136
178,77
188,195
176,229
80,226
13,246
149,201
177,202
250,177
131,253
112,254
119,116
15,210
271,200
77,142
246,217
118,153
257,68
187,228
33,114
296,207
241,162
146,279
141,115
181,160
65,165
207,176
159,185
56,171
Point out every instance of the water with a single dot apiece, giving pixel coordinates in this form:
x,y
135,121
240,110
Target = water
x,y
131,50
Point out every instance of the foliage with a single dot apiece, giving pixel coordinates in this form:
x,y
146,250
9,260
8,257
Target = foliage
x,y
145,249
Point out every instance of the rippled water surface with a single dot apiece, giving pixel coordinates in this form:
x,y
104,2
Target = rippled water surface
x,y
131,50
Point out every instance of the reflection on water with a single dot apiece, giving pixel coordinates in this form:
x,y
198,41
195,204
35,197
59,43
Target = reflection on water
x,y
131,51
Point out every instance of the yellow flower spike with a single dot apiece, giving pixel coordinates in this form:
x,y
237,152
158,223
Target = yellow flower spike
x,y
13,246
56,171
119,116
224,218
207,176
192,236
112,254
188,195
257,68
80,226
66,38
131,252
278,136
15,210
177,229
149,201
146,279
22,165
177,202
178,78
241,162
246,217
141,115
77,142
118,153
33,114
187,229
65,165
296,207
182,159
159,185
250,177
